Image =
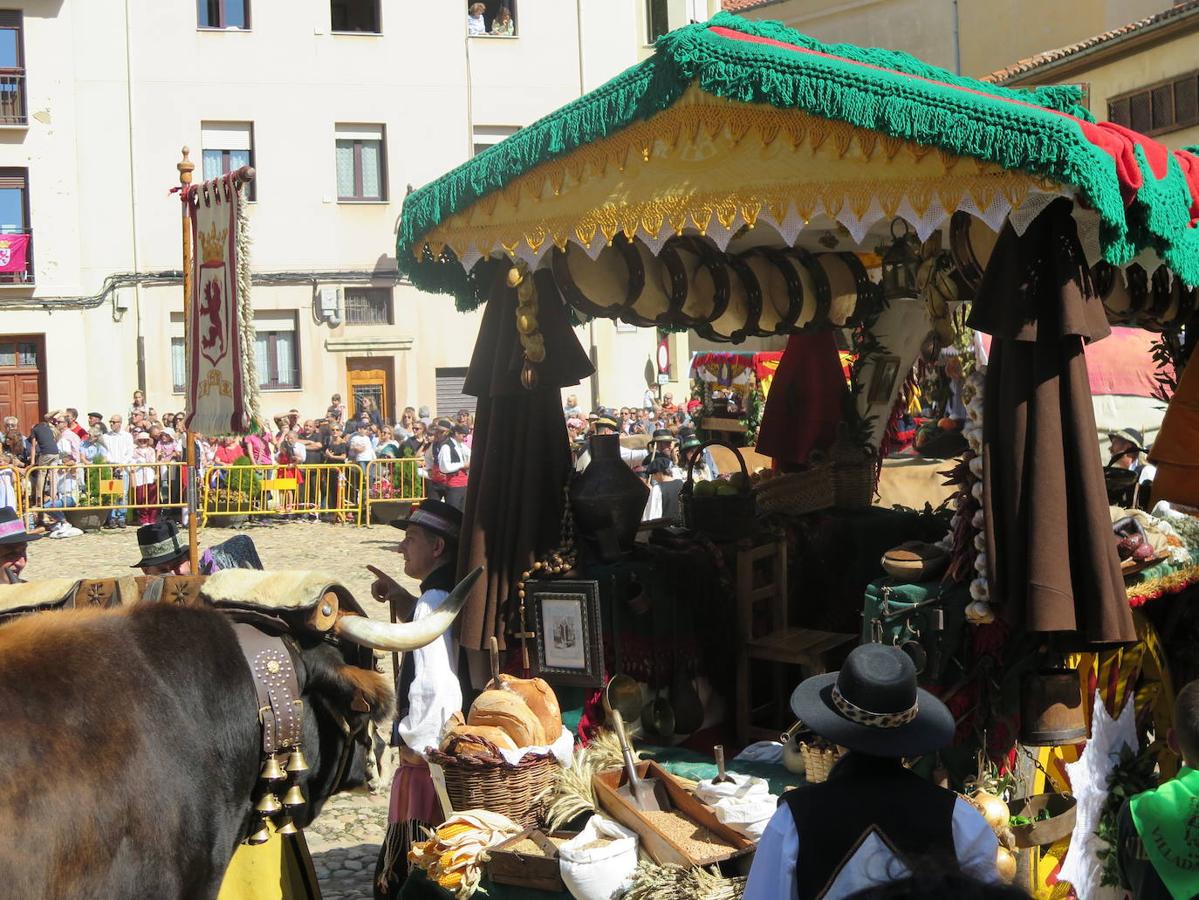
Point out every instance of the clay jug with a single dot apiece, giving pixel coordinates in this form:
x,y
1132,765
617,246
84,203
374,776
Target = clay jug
x,y
607,500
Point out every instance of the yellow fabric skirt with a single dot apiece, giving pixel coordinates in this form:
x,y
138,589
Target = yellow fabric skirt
x,y
280,869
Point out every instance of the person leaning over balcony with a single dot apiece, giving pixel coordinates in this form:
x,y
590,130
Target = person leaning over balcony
x,y
474,19
503,25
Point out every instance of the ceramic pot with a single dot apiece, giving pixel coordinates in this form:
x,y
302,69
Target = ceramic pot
x,y
607,500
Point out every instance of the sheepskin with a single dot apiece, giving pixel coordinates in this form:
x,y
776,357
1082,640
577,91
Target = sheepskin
x,y
274,591
53,593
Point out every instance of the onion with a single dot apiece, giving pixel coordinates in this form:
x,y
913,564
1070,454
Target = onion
x,y
994,810
1005,865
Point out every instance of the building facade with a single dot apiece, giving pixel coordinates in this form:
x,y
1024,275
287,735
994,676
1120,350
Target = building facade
x,y
1143,74
971,37
339,105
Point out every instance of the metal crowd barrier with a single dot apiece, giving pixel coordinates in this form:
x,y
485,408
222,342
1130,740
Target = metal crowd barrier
x,y
332,490
393,480
81,487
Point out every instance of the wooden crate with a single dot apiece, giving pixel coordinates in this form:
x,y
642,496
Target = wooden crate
x,y
662,848
508,866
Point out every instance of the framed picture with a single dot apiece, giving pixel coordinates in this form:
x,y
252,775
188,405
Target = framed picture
x,y
882,384
569,640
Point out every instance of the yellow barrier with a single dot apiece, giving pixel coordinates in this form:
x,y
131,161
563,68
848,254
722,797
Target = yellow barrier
x,y
102,487
14,487
393,480
320,489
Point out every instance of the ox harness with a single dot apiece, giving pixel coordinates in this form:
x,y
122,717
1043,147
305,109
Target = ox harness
x,y
281,720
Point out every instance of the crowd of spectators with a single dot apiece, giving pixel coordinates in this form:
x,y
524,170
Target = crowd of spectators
x,y
144,450
668,432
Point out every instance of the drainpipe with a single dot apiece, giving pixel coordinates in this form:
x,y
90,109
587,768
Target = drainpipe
x,y
137,291
957,43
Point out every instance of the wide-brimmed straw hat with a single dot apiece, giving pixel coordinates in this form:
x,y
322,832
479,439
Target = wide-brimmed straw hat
x,y
872,705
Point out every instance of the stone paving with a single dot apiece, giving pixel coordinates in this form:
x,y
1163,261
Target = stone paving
x,y
345,838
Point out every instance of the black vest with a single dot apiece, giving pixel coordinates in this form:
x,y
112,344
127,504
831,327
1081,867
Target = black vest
x,y
863,794
671,507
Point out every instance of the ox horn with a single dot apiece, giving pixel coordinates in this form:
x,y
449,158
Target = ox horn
x,y
402,637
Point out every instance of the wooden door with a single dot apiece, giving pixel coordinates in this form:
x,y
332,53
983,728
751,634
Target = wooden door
x,y
22,378
370,377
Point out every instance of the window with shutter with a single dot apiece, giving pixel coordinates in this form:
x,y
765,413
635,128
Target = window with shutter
x,y
1140,112
1168,105
1117,112
1186,100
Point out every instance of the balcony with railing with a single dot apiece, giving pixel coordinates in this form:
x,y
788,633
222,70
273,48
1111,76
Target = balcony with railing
x,y
13,109
16,257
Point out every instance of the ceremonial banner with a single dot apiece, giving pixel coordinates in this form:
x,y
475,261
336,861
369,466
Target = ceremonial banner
x,y
14,252
222,387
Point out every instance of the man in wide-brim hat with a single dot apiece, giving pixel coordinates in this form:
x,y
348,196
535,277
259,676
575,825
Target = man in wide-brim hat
x,y
873,821
163,550
428,692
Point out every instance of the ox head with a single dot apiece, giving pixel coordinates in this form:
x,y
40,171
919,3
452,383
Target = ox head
x,y
346,699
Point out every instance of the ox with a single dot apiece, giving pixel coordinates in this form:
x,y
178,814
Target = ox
x,y
132,746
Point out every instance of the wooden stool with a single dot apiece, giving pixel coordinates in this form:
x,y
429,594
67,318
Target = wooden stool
x,y
761,579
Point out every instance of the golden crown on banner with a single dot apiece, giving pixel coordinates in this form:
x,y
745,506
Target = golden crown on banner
x,y
212,244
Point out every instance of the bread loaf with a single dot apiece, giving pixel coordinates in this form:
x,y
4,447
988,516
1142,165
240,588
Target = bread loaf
x,y
542,700
497,736
508,711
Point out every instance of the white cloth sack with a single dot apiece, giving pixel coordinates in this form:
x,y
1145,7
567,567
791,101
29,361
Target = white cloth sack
x,y
745,804
598,873
561,749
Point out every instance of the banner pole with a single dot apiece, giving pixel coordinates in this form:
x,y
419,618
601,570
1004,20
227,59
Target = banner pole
x,y
186,167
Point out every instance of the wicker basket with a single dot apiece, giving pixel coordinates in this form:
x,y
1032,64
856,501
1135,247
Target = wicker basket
x,y
797,493
854,472
479,782
722,518
818,761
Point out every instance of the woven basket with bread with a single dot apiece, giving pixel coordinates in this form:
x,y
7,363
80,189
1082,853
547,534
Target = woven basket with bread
x,y
511,714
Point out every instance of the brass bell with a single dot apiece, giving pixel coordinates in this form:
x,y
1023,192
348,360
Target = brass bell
x,y
296,762
287,826
271,770
261,835
268,805
294,796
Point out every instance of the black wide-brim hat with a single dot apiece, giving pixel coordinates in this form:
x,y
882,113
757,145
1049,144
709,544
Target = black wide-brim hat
x,y
872,705
433,515
12,528
159,544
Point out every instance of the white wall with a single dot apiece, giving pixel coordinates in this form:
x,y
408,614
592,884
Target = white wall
x,y
112,101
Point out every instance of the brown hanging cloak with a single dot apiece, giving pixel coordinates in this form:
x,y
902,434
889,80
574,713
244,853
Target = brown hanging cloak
x,y
1053,562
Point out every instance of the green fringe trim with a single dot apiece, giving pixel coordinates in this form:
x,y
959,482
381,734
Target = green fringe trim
x,y
980,124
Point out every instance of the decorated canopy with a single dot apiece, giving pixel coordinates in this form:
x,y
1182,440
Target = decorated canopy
x,y
734,125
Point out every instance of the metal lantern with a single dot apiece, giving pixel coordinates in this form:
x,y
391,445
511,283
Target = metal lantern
x,y
901,263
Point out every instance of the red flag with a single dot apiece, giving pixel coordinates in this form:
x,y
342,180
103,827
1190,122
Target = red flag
x,y
13,252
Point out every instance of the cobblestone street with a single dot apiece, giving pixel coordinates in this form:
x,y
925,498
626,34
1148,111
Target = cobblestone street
x,y
345,839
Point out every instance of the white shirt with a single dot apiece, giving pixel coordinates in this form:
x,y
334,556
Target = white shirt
x,y
361,448
445,459
435,694
772,876
119,445
475,25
